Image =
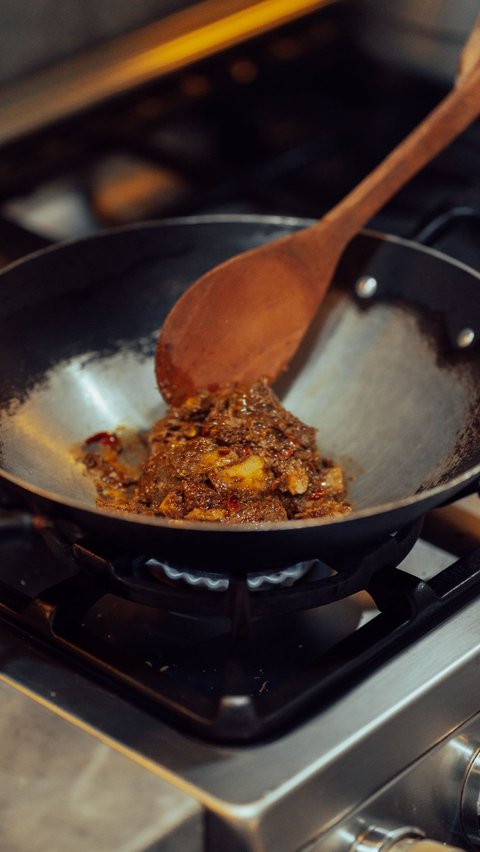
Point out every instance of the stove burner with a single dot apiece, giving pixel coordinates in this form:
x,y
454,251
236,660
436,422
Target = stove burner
x,y
220,582
145,582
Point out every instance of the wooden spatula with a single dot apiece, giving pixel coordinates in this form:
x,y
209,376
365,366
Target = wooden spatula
x,y
244,320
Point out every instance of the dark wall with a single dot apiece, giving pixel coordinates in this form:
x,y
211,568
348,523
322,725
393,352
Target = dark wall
x,y
35,33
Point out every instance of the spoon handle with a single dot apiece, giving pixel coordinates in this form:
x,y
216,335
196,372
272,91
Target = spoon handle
x,y
447,121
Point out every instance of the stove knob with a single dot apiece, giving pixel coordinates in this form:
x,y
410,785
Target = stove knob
x,y
403,839
422,845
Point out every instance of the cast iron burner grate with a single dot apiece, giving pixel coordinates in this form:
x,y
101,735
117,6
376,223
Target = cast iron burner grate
x,y
212,675
244,599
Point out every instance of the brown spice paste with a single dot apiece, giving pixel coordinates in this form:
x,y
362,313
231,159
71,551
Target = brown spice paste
x,y
233,455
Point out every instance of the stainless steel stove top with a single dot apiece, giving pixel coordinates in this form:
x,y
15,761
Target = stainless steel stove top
x,y
299,788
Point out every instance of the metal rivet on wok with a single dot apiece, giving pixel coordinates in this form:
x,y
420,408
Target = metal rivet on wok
x,y
366,287
465,338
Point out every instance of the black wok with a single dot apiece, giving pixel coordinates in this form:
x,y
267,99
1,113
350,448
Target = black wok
x,y
392,397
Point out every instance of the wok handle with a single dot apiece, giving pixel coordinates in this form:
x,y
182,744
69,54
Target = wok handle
x,y
473,487
16,527
443,220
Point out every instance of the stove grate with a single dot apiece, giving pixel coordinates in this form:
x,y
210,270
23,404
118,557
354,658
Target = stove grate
x,y
242,684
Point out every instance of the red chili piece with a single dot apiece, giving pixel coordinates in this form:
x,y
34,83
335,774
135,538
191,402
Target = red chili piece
x,y
233,503
107,438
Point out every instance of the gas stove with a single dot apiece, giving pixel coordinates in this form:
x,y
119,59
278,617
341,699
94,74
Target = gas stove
x,y
239,658
145,706
319,727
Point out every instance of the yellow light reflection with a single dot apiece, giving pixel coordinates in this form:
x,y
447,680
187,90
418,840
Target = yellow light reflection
x,y
161,47
212,37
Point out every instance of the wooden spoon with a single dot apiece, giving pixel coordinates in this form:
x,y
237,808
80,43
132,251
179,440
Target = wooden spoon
x,y
244,319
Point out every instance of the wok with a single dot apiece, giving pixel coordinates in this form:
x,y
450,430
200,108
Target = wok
x,y
393,398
